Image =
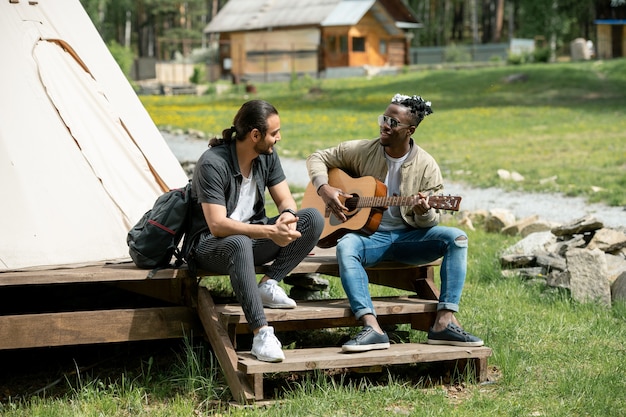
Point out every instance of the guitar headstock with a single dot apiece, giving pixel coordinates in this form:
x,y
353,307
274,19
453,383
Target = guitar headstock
x,y
445,202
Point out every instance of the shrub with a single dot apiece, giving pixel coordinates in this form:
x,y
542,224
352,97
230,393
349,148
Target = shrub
x,y
123,56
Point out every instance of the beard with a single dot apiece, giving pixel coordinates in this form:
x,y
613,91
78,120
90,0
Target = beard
x,y
264,148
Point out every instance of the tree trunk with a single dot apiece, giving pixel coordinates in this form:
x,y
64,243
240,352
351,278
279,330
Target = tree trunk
x,y
499,21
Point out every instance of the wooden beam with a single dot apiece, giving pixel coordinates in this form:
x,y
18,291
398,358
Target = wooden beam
x,y
87,327
224,349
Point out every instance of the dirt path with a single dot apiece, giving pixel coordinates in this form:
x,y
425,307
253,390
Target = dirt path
x,y
551,207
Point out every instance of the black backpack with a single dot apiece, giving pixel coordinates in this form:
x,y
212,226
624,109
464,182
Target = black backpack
x,y
155,238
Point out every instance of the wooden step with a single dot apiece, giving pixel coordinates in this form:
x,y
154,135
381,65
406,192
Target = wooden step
x,y
469,359
334,313
308,359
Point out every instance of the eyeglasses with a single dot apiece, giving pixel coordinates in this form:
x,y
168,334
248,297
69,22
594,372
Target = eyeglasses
x,y
390,121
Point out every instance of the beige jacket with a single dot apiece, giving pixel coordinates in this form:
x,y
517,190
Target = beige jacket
x,y
358,158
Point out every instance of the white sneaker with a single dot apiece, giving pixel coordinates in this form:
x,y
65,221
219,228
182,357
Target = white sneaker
x,y
266,347
273,296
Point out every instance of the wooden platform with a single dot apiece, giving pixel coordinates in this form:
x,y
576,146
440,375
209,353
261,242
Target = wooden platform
x,y
38,308
94,304
224,322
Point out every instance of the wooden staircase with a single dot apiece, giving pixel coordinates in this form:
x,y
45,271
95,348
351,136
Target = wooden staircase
x,y
244,374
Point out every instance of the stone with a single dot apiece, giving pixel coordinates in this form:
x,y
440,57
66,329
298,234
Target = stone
x,y
312,281
618,289
608,240
561,247
558,279
516,227
579,50
588,276
581,225
517,261
531,244
538,226
504,174
550,261
299,293
526,273
498,219
616,265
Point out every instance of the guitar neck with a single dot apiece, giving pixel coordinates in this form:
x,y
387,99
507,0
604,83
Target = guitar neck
x,y
434,201
382,201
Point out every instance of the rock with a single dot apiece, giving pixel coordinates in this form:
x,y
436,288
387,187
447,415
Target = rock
x,y
504,174
608,240
551,262
515,228
581,225
517,177
562,247
538,226
299,293
558,279
526,273
517,261
531,244
514,78
313,282
588,276
498,219
615,265
618,289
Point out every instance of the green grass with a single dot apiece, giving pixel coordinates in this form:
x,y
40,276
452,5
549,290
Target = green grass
x,y
551,355
567,120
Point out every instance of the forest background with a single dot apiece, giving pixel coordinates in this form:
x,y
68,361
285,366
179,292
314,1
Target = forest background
x,y
167,28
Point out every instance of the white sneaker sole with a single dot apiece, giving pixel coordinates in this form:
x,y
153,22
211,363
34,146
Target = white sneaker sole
x,y
279,306
454,343
268,359
364,348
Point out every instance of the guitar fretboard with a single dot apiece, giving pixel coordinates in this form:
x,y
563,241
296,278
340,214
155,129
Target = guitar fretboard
x,y
360,202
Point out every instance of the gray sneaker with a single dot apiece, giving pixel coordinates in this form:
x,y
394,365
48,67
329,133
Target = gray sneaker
x,y
367,339
266,347
273,296
455,336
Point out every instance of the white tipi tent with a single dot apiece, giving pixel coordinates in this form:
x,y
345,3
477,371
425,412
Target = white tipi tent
x,y
80,158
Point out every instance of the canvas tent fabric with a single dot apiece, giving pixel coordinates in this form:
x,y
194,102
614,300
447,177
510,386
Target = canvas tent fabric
x,y
80,158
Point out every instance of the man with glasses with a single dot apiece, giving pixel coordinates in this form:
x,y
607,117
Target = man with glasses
x,y
408,234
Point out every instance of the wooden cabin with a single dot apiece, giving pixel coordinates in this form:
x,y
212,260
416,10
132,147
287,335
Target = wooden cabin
x,y
274,40
611,38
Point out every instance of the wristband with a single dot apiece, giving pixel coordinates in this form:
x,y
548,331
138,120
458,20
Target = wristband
x,y
288,210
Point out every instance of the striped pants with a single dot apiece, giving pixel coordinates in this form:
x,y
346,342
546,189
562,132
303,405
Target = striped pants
x,y
237,256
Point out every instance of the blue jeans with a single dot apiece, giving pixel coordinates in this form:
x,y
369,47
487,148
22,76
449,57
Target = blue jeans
x,y
411,246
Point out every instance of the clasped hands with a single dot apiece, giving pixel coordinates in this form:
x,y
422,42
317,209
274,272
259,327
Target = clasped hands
x,y
285,229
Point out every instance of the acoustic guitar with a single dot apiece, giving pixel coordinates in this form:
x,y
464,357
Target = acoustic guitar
x,y
365,208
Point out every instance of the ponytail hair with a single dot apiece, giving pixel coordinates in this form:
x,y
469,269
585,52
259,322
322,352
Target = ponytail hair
x,y
252,115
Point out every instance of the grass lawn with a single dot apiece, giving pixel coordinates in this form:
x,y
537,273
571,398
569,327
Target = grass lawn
x,y
552,356
563,129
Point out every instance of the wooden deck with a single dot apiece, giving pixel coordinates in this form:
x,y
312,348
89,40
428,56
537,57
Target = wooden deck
x,y
40,308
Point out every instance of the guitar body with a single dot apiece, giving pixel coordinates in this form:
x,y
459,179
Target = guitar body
x,y
365,219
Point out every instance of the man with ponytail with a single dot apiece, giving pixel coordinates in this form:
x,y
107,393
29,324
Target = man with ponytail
x,y
228,201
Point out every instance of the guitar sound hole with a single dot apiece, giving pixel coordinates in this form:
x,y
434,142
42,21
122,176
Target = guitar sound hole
x,y
352,203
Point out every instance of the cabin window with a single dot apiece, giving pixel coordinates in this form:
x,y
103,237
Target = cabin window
x,y
358,44
343,44
382,47
331,44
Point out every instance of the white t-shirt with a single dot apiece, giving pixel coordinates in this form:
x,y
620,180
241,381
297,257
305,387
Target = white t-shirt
x,y
392,219
247,197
